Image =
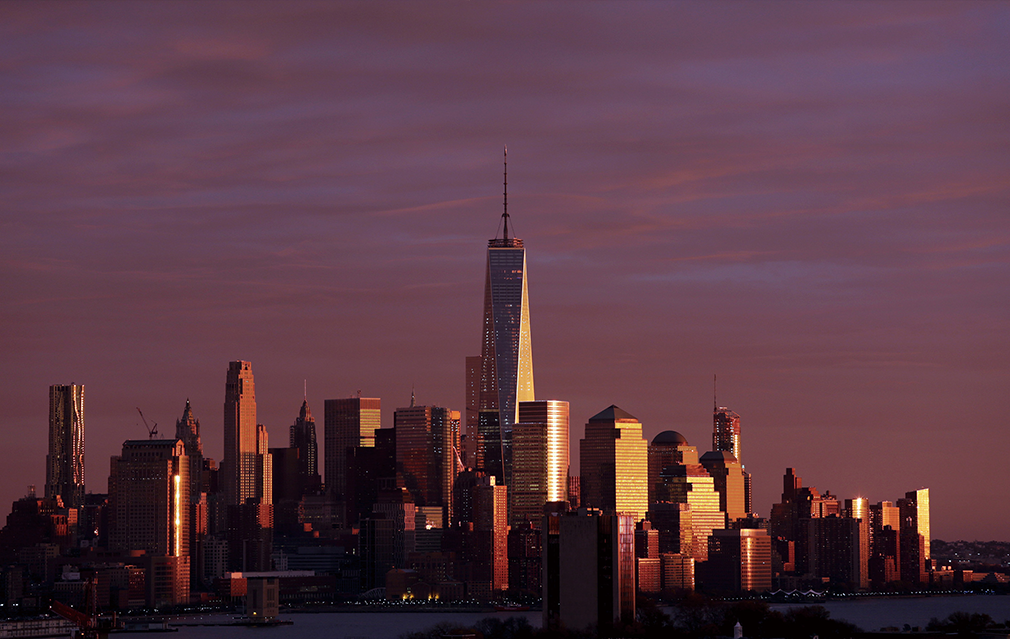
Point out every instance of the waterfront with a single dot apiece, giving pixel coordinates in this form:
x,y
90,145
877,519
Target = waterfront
x,y
874,613
869,613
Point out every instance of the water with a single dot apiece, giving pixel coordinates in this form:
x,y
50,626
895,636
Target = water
x,y
872,614
868,613
341,625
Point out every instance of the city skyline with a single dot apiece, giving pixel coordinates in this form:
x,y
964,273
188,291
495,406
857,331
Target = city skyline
x,y
808,201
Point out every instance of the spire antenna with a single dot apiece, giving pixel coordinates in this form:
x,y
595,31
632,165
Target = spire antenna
x,y
305,388
715,394
505,195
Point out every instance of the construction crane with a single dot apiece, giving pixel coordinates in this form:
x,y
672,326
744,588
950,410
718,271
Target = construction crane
x,y
151,430
460,466
89,624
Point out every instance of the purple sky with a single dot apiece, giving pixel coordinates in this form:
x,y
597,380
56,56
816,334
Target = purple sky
x,y
811,200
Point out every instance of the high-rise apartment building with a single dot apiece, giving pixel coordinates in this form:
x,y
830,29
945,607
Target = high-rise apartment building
x,y
915,562
615,464
506,356
540,460
65,461
347,423
427,438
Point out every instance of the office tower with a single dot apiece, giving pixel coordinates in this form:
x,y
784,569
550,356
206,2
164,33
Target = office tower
x,y
539,460
726,431
615,464
149,510
689,483
524,558
836,551
347,423
65,461
470,437
506,358
728,479
665,449
490,523
367,469
885,522
427,438
739,560
674,522
594,582
240,435
302,437
187,430
914,533
859,510
726,438
149,497
387,536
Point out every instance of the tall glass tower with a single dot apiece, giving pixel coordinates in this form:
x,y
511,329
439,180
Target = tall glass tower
x,y
506,357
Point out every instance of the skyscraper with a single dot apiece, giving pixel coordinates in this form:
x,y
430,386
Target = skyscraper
x,y
65,461
426,438
302,437
506,357
540,460
915,539
726,438
149,510
615,464
347,423
726,431
240,435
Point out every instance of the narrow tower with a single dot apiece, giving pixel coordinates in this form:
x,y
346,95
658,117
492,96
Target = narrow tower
x,y
506,357
240,434
65,461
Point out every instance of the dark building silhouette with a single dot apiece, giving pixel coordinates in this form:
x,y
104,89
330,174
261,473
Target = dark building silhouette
x,y
347,423
593,584
739,560
427,438
302,437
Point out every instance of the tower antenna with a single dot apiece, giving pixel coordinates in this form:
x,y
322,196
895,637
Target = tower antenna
x,y
305,391
505,195
715,394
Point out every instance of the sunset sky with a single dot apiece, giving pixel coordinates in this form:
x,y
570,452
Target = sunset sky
x,y
811,200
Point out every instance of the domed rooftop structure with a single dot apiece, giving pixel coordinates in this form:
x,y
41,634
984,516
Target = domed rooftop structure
x,y
669,438
719,456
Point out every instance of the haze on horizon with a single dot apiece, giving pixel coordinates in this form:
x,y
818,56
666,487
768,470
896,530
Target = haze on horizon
x,y
809,200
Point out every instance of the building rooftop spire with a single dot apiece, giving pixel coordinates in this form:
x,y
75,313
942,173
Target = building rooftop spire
x,y
505,195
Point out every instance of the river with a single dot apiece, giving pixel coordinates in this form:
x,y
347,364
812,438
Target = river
x,y
867,613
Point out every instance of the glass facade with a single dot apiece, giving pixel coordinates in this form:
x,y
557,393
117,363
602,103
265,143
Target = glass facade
x,y
615,464
540,459
506,356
